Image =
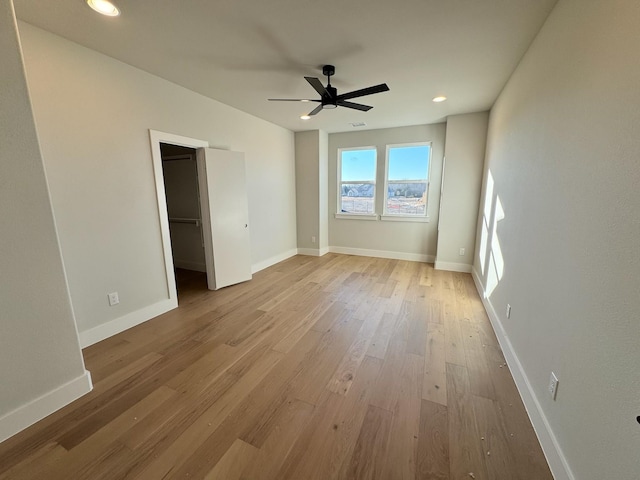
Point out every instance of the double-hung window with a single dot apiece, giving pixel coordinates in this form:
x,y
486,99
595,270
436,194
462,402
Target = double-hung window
x,y
407,181
357,181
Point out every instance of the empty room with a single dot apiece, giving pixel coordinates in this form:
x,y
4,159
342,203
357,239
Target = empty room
x,y
320,240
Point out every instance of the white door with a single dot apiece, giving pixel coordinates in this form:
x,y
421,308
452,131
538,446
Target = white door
x,y
225,216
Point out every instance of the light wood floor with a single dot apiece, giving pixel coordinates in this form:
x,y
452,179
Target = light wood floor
x,y
337,367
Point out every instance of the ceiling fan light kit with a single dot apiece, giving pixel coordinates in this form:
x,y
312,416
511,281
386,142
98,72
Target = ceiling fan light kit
x,y
329,97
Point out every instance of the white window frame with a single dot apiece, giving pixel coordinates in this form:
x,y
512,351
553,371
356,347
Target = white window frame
x,y
406,217
356,216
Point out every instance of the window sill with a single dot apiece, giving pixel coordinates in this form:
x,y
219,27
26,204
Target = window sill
x,y
357,216
404,218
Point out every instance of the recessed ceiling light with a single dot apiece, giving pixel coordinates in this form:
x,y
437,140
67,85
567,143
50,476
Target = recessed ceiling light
x,y
305,117
439,99
104,7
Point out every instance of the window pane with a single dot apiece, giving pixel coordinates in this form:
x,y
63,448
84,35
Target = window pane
x,y
357,198
409,163
358,165
406,198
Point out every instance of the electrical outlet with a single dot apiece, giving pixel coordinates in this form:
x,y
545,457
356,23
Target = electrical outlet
x,y
508,311
113,299
313,239
553,386
462,252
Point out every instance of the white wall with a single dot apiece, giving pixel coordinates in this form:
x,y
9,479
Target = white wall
x,y
415,240
41,366
311,191
563,152
323,179
93,114
464,160
307,148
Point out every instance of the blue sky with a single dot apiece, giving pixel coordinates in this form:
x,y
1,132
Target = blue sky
x,y
358,165
408,163
405,163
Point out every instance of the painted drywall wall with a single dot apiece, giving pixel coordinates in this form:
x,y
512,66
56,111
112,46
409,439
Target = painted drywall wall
x,y
307,151
462,181
311,191
323,186
417,240
562,228
39,347
93,114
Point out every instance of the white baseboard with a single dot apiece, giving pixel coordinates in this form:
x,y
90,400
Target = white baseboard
x,y
113,327
365,252
312,252
453,267
26,415
256,267
555,457
187,265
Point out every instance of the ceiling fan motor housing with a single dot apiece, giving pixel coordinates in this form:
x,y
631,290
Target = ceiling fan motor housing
x,y
329,101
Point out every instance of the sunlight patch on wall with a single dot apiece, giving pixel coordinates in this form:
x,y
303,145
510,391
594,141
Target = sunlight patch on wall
x,y
496,267
491,259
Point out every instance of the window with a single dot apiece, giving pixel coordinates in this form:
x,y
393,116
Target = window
x,y
407,181
357,181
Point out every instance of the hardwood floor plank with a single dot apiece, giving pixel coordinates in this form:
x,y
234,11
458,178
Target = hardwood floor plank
x,y
454,344
523,441
426,275
233,462
200,428
343,377
290,334
326,359
388,382
287,428
498,457
371,447
402,453
38,465
434,386
477,366
466,451
382,336
417,335
433,442
328,441
318,368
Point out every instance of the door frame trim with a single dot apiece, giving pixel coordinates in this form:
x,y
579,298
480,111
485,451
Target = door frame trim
x,y
155,138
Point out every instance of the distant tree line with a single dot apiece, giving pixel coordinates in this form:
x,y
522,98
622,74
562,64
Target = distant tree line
x,y
407,190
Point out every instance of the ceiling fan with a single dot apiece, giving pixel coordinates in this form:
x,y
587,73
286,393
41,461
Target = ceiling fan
x,y
329,97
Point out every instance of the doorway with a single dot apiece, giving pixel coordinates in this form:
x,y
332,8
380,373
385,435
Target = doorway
x,y
222,217
180,175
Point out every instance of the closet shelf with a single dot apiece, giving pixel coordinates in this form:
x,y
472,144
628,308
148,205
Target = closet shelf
x,y
192,221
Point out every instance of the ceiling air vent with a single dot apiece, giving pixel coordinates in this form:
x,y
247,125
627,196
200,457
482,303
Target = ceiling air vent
x,y
358,124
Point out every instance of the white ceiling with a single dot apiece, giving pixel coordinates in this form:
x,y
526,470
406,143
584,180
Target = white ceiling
x,y
242,52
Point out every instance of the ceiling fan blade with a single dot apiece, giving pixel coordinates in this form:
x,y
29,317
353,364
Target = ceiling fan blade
x,y
365,91
315,110
292,100
317,85
356,106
